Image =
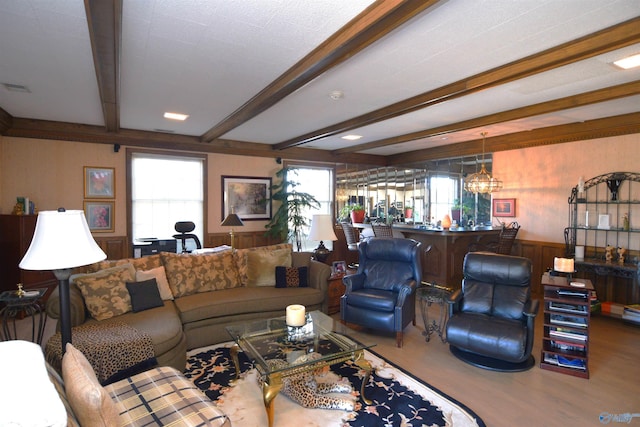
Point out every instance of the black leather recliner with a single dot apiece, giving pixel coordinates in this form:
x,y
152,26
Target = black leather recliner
x,y
381,295
491,319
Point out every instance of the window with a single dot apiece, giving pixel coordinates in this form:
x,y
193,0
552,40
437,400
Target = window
x,y
164,189
442,190
317,181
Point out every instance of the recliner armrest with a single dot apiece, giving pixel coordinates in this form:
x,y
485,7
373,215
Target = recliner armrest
x,y
353,282
454,302
404,291
530,309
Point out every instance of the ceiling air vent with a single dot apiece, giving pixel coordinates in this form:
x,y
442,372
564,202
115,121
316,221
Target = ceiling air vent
x,y
16,88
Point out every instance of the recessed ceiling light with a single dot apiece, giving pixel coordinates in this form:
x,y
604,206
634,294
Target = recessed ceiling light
x,y
176,116
629,62
352,137
336,94
16,88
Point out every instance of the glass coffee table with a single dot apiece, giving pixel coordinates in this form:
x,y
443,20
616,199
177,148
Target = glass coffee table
x,y
266,341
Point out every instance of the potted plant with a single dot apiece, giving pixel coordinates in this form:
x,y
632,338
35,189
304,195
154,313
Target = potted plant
x,y
289,220
355,211
408,212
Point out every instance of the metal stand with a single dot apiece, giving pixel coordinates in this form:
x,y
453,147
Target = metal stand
x,y
429,294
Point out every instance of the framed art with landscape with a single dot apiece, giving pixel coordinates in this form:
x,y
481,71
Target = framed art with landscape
x,y
100,216
99,183
246,196
504,207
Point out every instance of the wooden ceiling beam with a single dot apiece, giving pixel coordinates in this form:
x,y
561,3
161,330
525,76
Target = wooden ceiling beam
x,y
612,38
574,101
598,128
6,121
104,18
50,130
373,23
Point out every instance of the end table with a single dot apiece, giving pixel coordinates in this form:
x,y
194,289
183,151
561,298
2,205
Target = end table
x,y
27,304
428,294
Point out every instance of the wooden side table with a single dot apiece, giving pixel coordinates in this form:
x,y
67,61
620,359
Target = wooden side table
x,y
335,291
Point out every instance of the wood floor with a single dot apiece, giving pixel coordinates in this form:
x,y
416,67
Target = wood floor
x,y
536,397
532,398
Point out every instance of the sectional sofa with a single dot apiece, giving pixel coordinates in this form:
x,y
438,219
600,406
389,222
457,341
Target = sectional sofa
x,y
185,301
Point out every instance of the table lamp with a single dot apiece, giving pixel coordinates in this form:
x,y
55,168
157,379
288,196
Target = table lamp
x,y
232,220
322,229
61,242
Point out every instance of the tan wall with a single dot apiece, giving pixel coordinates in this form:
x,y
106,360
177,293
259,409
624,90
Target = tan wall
x,y
541,179
50,173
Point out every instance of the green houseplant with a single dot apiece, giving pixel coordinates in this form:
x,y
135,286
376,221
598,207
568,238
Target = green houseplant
x,y
355,212
288,220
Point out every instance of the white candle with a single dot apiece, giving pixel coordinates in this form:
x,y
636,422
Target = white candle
x,y
296,315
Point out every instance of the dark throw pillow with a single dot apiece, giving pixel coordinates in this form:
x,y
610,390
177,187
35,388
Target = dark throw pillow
x,y
144,295
291,277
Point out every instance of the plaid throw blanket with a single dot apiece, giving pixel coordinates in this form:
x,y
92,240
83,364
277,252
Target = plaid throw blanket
x,y
115,350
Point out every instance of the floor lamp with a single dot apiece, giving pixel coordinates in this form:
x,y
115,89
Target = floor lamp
x,y
61,242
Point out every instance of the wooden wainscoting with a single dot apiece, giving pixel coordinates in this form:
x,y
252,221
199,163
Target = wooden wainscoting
x,y
541,254
242,240
116,247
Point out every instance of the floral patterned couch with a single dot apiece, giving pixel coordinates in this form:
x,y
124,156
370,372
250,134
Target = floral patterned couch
x,y
185,301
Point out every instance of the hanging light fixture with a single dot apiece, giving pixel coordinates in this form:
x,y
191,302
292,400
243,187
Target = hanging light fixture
x,y
482,182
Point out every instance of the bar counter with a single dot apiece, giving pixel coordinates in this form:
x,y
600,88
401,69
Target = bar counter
x,y
443,263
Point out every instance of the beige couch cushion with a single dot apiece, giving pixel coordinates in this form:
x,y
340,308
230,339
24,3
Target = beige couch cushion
x,y
189,274
261,266
144,263
105,292
160,275
241,261
240,301
90,401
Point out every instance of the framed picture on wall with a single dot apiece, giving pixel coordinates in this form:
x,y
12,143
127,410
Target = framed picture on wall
x,y
248,197
504,207
99,183
100,216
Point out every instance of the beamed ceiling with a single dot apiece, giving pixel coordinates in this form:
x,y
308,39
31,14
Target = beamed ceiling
x,y
418,80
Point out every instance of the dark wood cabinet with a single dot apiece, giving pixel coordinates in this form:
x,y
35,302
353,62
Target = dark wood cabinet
x,y
16,232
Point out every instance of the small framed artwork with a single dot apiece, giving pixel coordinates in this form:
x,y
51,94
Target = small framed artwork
x,y
248,197
99,183
100,216
504,207
338,268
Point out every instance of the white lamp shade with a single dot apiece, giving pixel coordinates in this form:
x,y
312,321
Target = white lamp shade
x,y
322,228
61,240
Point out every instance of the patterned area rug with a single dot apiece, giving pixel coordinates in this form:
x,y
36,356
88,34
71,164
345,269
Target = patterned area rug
x,y
399,399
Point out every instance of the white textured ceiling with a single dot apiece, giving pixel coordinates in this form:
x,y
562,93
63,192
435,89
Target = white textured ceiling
x,y
207,58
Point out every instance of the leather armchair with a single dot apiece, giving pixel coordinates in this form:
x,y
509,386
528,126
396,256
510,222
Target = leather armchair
x,y
491,319
381,294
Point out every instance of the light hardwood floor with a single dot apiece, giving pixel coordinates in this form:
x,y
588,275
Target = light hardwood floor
x,y
532,398
536,397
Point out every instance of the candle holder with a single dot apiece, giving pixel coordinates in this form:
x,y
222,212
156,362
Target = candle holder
x,y
297,333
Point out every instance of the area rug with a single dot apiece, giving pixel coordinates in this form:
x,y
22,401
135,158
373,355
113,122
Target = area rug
x,y
399,399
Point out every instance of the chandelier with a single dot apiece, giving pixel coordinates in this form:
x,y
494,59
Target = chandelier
x,y
482,182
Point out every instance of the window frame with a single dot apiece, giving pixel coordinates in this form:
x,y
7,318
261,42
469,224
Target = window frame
x,y
332,191
130,152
